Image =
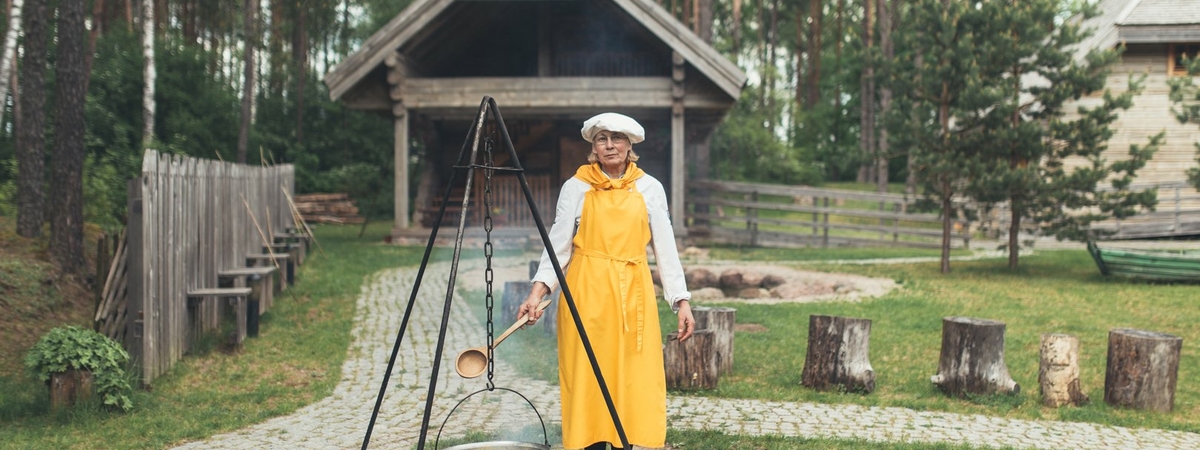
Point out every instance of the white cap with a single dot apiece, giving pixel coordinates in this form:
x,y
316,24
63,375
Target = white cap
x,y
617,123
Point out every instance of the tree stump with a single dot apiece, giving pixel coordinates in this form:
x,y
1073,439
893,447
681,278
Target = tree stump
x,y
690,364
972,358
1058,371
70,387
515,293
1143,367
721,322
838,354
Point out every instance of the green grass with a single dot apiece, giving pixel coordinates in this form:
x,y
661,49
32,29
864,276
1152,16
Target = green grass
x,y
303,342
295,361
1052,292
816,254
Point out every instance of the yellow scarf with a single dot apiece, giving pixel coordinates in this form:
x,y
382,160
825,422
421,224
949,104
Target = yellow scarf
x,y
592,174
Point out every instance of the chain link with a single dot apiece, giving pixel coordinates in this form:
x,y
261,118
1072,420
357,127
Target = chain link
x,y
487,253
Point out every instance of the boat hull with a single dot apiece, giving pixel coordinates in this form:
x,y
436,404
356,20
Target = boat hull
x,y
1147,264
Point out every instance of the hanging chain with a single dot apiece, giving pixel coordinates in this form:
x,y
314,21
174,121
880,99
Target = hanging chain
x,y
487,253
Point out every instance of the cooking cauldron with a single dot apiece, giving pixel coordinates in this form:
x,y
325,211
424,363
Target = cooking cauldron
x,y
496,445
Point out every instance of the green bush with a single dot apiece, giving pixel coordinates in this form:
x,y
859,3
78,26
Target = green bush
x,y
67,348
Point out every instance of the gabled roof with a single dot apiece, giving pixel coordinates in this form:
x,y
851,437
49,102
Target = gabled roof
x,y
1143,21
419,13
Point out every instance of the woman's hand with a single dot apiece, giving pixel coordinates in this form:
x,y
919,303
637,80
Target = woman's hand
x,y
687,323
529,308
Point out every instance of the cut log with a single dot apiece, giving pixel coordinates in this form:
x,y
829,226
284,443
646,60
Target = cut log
x,y
515,293
70,387
690,364
1058,371
1142,370
838,356
721,322
972,358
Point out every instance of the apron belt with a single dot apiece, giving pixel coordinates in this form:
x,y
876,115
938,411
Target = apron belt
x,y
639,304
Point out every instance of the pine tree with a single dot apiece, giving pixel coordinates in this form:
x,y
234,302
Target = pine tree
x,y
1046,165
947,88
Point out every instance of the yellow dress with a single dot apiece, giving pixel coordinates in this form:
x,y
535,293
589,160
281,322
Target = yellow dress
x,y
610,282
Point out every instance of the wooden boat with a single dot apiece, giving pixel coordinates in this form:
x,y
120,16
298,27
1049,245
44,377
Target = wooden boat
x,y
1154,265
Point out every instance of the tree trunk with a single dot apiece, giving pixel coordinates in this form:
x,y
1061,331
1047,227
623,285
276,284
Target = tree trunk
x,y
1014,234
813,75
66,225
838,355
972,358
721,322
1058,371
867,96
885,95
10,47
1143,367
31,124
704,20
148,73
251,21
690,364
300,55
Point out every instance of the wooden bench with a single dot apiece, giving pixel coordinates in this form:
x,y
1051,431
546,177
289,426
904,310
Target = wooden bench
x,y
261,281
238,298
285,261
295,250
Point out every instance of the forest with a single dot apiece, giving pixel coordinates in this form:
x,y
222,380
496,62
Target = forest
x,y
927,94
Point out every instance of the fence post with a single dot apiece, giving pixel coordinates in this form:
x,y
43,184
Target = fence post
x,y
135,287
816,217
825,224
896,222
752,219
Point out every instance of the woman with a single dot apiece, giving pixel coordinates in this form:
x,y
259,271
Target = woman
x,y
606,215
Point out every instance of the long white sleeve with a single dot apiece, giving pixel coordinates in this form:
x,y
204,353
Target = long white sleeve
x,y
662,240
566,218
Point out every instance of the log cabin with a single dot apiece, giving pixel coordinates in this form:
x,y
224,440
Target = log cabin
x,y
550,64
1155,34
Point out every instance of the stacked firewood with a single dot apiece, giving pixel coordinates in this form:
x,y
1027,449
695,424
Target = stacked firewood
x,y
328,208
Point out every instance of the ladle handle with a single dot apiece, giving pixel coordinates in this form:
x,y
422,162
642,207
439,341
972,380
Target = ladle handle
x,y
520,321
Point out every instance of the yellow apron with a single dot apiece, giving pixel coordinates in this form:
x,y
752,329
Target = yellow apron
x,y
611,285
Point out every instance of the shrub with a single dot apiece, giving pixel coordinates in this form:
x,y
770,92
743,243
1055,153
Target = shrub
x,y
67,348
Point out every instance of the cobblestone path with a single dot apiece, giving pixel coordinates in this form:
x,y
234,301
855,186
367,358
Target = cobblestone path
x,y
340,421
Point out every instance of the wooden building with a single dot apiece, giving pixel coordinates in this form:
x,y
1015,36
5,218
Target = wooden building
x,y
550,64
1156,34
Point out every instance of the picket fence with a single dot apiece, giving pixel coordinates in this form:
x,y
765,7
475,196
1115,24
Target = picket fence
x,y
188,219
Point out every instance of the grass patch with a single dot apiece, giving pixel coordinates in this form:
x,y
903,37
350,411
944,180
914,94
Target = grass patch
x,y
824,254
297,358
1052,292
295,361
716,440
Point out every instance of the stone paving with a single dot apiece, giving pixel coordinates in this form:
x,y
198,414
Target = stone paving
x,y
340,421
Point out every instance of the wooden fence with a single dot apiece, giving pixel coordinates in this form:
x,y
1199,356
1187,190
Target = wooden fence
x,y
187,221
795,216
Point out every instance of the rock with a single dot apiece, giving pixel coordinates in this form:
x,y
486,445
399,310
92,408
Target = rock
x,y
701,278
732,279
754,292
842,287
708,293
771,281
752,278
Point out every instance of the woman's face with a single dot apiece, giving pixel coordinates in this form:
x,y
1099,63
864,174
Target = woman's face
x,y
611,149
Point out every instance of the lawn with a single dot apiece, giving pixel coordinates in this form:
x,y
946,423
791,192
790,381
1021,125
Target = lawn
x,y
297,358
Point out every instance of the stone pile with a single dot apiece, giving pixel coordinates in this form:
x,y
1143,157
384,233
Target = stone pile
x,y
743,283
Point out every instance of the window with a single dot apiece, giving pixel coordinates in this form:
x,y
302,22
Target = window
x,y
1176,52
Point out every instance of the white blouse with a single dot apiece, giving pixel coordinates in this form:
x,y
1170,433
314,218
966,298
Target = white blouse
x,y
662,236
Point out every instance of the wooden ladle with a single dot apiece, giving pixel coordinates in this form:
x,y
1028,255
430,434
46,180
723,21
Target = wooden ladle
x,y
472,362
